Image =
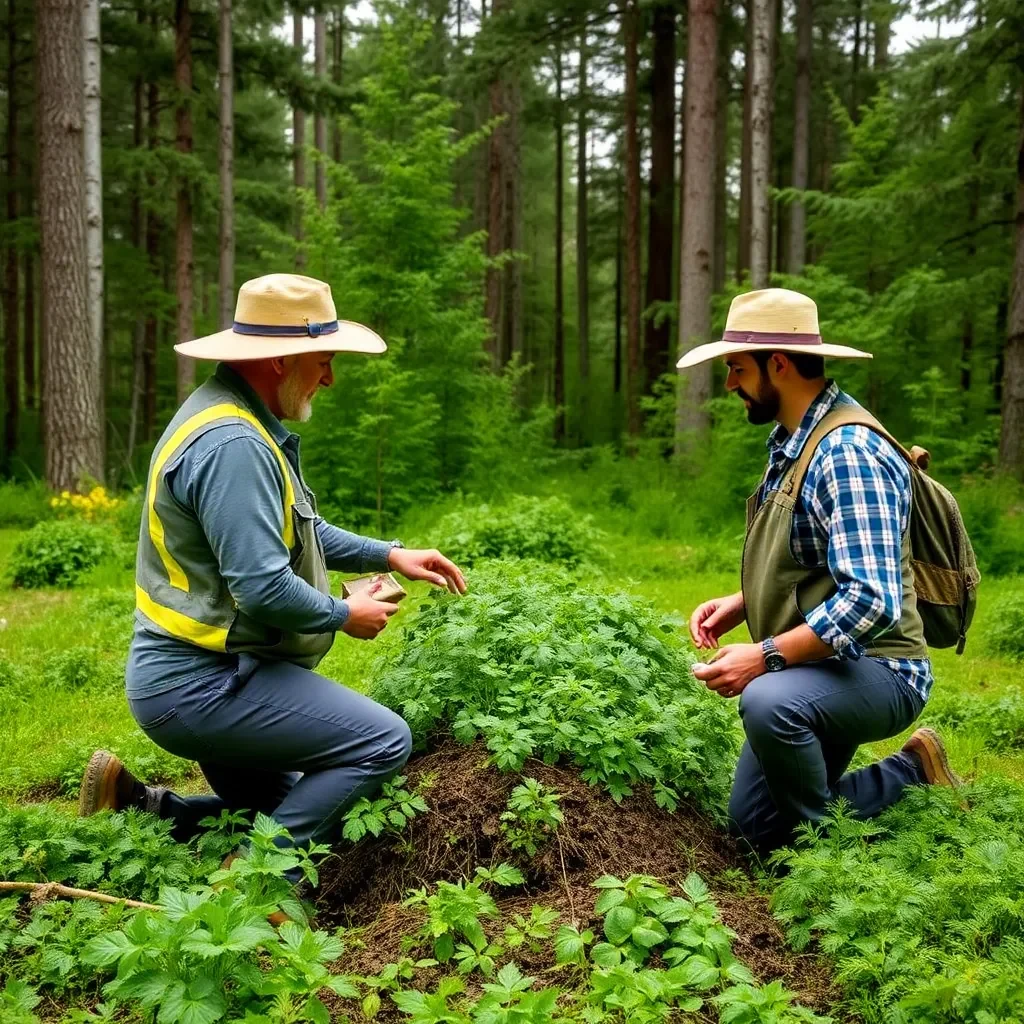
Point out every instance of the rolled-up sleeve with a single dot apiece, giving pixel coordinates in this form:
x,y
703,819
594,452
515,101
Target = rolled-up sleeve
x,y
862,503
234,486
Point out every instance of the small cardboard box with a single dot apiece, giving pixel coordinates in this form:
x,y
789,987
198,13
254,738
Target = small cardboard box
x,y
381,585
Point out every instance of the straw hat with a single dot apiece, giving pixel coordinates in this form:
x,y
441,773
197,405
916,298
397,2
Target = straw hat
x,y
773,319
283,315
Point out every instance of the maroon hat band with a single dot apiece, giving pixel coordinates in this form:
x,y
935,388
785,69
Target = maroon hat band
x,y
766,338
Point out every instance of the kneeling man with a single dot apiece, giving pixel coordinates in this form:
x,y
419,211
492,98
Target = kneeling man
x,y
839,656
234,611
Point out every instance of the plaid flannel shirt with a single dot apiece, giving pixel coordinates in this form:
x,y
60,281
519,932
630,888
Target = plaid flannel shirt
x,y
853,509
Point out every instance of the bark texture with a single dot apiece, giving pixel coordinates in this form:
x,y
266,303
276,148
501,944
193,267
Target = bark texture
x,y
559,339
319,121
299,137
801,134
71,375
743,223
761,86
1011,438
154,232
721,162
698,226
634,383
226,87
661,192
94,185
582,244
12,396
184,260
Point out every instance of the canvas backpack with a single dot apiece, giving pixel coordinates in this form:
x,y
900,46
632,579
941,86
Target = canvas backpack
x,y
945,569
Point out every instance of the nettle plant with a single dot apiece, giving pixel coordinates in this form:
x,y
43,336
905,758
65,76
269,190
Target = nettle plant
x,y
532,817
539,666
389,813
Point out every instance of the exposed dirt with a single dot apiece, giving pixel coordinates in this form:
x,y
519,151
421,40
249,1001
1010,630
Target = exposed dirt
x,y
364,886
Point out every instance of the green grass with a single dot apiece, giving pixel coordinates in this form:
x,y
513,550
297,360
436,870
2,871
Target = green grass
x,y
45,739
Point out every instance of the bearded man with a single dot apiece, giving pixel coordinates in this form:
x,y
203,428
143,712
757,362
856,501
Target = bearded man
x,y
839,656
234,611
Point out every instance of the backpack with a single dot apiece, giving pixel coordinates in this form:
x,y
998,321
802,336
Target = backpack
x,y
941,556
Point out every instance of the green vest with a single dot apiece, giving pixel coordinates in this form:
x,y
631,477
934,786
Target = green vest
x,y
778,591
178,586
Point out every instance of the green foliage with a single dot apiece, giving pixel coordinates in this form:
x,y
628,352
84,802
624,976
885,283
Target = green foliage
x,y
1006,633
993,512
530,932
999,721
920,909
547,529
540,666
772,1004
533,815
56,553
23,505
391,812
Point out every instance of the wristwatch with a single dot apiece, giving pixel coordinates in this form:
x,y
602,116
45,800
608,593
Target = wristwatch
x,y
396,544
773,659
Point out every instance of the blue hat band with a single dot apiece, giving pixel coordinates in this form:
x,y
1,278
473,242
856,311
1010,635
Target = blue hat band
x,y
272,331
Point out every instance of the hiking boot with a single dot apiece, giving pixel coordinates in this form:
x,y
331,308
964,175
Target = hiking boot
x,y
927,749
108,785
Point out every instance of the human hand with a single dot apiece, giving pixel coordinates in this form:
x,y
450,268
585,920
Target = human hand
x,y
429,565
731,669
715,618
366,616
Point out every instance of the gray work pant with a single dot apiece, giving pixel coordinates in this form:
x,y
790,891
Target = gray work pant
x,y
803,726
276,738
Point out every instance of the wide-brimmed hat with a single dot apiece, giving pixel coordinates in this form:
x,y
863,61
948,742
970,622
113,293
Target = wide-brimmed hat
x,y
283,315
773,320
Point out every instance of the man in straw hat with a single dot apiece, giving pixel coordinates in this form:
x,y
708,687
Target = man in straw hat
x,y
838,655
234,611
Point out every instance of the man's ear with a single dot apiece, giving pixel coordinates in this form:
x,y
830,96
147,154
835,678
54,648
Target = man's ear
x,y
277,364
780,362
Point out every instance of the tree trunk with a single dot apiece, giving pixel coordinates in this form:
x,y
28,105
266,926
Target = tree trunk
x,y
184,262
559,397
12,398
582,245
721,163
226,86
336,73
883,30
94,190
967,331
138,229
801,135
855,63
617,368
512,339
743,224
630,32
28,334
761,142
71,372
153,242
1011,437
698,227
661,193
299,136
497,213
319,121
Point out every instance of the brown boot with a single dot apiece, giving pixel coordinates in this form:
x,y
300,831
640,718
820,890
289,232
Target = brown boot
x,y
927,748
108,785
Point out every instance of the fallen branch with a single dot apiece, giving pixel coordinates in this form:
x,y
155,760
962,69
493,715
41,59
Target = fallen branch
x,y
43,891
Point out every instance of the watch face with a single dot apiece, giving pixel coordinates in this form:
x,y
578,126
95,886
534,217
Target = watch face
x,y
774,662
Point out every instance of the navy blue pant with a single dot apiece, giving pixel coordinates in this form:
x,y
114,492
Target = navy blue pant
x,y
803,726
276,738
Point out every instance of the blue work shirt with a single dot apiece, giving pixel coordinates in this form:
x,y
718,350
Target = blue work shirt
x,y
230,480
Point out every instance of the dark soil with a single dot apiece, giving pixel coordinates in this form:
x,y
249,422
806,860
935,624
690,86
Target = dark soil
x,y
363,886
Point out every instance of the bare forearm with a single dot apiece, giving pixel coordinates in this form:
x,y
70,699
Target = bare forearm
x,y
802,644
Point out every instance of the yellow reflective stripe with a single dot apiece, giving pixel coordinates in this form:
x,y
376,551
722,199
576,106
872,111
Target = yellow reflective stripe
x,y
175,574
213,638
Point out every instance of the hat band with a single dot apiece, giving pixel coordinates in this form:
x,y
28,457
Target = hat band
x,y
767,338
271,331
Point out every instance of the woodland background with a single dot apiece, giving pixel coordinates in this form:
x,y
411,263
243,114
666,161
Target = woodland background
x,y
538,204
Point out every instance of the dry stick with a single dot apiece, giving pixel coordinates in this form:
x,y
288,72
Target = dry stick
x,y
565,879
46,890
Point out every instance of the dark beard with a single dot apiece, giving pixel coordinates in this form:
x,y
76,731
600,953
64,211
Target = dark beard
x,y
762,411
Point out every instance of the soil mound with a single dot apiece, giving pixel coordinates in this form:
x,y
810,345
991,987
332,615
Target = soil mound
x,y
363,885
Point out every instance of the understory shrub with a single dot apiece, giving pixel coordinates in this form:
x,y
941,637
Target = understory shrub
x,y
57,553
22,505
999,721
921,908
1006,631
547,529
540,666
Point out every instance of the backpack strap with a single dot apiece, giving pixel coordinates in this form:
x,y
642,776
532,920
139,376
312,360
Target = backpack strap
x,y
844,415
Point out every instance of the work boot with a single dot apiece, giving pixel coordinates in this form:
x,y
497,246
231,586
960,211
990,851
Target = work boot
x,y
927,749
108,785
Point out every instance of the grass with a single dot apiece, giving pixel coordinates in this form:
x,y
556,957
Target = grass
x,y
46,739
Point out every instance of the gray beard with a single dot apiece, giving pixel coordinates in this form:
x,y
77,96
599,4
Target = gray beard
x,y
294,403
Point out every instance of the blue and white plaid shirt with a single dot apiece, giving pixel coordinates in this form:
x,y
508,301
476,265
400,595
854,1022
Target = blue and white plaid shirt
x,y
852,512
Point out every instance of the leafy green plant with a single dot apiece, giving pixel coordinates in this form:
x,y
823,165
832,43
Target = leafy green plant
x,y
999,721
532,816
57,554
770,1004
17,1001
1006,633
389,980
391,812
531,931
546,529
540,666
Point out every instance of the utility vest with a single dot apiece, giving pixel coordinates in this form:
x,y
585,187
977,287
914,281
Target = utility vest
x,y
778,591
179,590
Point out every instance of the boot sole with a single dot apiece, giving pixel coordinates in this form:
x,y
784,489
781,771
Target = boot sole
x,y
99,784
927,745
